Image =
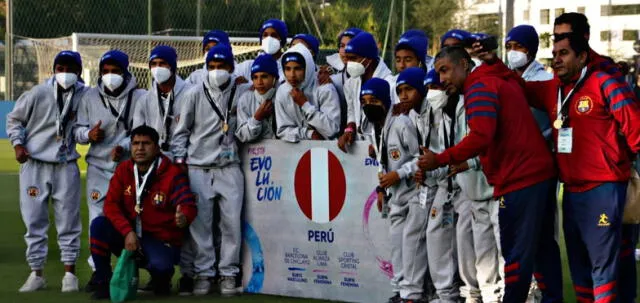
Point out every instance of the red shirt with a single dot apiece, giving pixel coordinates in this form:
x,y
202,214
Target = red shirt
x,y
167,188
503,132
598,112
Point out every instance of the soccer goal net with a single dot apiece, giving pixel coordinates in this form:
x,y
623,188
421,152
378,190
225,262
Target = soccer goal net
x,y
138,47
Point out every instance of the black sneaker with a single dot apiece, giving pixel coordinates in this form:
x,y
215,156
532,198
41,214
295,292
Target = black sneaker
x,y
395,299
185,286
101,291
148,288
91,285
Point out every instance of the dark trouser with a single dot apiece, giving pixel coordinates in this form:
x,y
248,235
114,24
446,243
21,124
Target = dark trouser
x,y
521,217
628,282
548,267
593,235
106,240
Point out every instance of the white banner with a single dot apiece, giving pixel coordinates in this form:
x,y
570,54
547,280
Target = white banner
x,y
312,228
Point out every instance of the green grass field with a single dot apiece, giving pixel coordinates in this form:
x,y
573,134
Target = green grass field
x,y
13,268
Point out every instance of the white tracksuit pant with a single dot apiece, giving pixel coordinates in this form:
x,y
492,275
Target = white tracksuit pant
x,y
441,245
224,186
408,249
478,252
97,187
40,181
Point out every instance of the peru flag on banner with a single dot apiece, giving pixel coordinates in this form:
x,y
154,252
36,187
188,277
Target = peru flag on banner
x,y
320,185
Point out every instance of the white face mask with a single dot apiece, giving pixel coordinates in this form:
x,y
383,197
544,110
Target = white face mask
x,y
112,81
355,69
437,98
161,74
66,80
517,59
266,96
270,45
218,77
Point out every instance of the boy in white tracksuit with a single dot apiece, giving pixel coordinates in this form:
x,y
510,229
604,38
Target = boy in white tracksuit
x,y
160,106
472,237
105,118
273,38
363,63
304,109
204,144
396,141
256,118
40,130
410,51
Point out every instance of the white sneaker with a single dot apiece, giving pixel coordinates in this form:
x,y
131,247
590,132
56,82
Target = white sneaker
x,y
637,254
33,283
228,286
202,286
69,282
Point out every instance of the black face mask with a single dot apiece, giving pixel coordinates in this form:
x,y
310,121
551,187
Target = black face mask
x,y
374,113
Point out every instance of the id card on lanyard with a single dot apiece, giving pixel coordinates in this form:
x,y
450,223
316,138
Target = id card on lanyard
x,y
140,187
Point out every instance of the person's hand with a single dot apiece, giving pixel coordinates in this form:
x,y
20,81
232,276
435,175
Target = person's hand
x,y
264,111
380,201
96,135
419,177
427,160
345,140
458,168
324,76
298,96
22,154
316,135
241,80
181,219
117,153
402,108
486,56
389,179
372,151
131,242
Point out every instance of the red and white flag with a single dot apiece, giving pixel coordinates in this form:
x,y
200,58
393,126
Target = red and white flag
x,y
320,185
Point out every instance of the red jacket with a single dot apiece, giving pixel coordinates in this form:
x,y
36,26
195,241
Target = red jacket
x,y
601,109
167,188
502,131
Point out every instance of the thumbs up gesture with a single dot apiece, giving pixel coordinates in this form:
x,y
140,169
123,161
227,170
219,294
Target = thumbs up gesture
x,y
96,135
181,219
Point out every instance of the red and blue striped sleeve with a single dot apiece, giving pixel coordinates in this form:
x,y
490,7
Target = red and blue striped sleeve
x,y
182,196
482,106
624,107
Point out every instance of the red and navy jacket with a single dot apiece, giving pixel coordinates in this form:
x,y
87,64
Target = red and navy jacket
x,y
167,189
503,132
599,111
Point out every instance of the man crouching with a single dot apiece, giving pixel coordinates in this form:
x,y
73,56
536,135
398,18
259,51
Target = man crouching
x,y
147,209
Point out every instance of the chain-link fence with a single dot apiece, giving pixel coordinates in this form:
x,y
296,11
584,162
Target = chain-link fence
x,y
41,28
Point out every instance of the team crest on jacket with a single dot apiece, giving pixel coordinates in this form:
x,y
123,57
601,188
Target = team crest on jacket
x,y
394,153
33,191
159,198
95,195
177,118
434,212
584,105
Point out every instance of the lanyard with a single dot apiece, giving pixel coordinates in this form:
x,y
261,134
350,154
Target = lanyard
x,y
124,109
63,110
225,126
165,114
140,187
378,147
448,141
563,108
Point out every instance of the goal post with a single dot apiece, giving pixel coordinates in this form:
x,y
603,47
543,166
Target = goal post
x,y
92,46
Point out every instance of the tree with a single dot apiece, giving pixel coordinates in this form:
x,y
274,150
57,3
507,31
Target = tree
x,y
435,17
341,15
